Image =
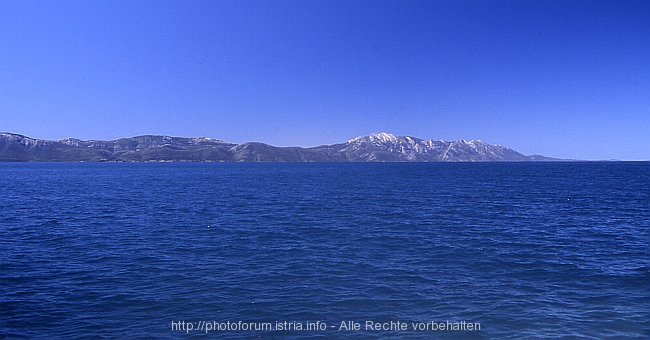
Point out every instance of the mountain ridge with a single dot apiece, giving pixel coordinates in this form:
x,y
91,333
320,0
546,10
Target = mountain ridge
x,y
376,147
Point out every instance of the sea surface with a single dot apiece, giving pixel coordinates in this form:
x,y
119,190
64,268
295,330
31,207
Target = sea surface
x,y
216,250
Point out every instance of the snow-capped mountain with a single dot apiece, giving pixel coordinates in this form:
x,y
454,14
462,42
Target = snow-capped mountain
x,y
388,147
377,147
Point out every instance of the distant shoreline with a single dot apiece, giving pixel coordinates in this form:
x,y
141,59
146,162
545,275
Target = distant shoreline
x,y
377,147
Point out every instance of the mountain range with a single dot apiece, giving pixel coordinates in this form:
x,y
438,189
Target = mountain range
x,y
377,147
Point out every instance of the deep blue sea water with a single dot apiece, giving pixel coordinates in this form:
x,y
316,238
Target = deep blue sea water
x,y
524,250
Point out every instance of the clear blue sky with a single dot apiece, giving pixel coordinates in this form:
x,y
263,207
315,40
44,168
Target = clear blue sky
x,y
560,78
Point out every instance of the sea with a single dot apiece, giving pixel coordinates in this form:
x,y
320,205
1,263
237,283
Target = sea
x,y
325,250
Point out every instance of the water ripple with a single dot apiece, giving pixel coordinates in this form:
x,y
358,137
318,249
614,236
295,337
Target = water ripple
x,y
526,250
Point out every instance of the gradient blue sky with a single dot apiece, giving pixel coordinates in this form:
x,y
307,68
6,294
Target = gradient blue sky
x,y
563,78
